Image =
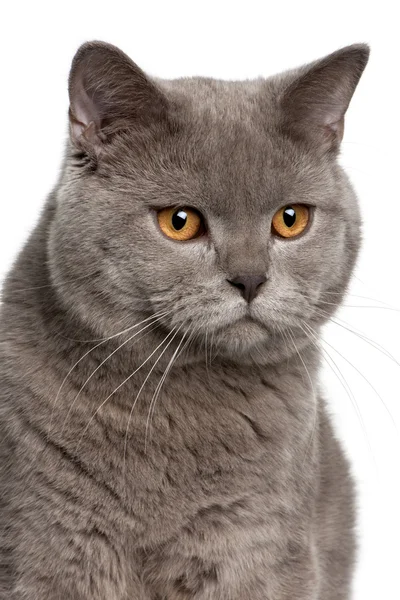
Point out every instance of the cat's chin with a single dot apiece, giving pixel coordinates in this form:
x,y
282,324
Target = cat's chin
x,y
242,336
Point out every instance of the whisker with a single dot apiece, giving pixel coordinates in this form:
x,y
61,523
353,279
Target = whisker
x,y
208,355
368,382
313,333
192,338
212,343
345,325
205,349
314,427
347,295
301,359
87,354
140,391
129,339
363,306
282,332
117,388
342,380
158,314
159,386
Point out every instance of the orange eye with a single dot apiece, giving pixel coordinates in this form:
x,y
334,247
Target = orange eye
x,y
291,220
180,224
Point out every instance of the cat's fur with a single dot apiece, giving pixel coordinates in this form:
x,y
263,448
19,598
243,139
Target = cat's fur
x,y
229,483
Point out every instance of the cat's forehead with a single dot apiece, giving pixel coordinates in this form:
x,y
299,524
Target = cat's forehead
x,y
227,153
217,99
231,136
232,122
224,112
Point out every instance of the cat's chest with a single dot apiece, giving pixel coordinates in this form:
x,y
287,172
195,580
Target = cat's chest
x,y
204,434
196,452
187,461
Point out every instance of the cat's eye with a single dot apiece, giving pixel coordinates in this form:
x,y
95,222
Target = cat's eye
x,y
181,224
291,220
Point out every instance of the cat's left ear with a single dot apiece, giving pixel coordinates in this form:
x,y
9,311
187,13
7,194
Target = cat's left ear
x,y
316,99
109,93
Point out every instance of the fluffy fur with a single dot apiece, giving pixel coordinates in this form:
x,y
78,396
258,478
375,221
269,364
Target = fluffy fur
x,y
225,482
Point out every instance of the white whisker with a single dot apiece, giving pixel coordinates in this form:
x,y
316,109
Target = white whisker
x,y
342,380
130,338
119,387
87,354
367,381
314,427
158,388
140,391
345,325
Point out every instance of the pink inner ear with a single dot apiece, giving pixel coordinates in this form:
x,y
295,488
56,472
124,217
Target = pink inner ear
x,y
333,115
85,122
333,119
82,107
337,126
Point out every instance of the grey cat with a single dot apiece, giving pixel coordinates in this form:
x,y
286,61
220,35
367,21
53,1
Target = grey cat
x,y
162,432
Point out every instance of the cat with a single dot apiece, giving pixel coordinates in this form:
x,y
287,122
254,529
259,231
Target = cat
x,y
163,436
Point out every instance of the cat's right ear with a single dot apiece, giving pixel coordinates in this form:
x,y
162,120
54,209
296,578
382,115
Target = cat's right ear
x,y
315,101
108,93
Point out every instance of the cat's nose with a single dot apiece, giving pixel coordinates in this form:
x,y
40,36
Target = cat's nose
x,y
249,285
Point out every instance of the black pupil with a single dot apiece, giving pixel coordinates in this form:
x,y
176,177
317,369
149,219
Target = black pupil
x,y
289,216
179,219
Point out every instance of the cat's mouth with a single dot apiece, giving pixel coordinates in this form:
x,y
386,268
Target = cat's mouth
x,y
247,325
241,336
248,319
251,315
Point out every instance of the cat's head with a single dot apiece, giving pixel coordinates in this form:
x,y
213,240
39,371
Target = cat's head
x,y
219,205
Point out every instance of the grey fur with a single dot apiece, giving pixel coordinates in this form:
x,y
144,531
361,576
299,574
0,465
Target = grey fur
x,y
229,484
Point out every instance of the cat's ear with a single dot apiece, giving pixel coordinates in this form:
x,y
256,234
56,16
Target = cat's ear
x,y
316,99
107,93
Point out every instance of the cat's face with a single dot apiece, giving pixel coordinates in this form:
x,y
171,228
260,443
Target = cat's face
x,y
230,156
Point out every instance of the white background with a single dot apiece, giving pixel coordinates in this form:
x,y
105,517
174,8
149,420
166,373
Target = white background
x,y
228,40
